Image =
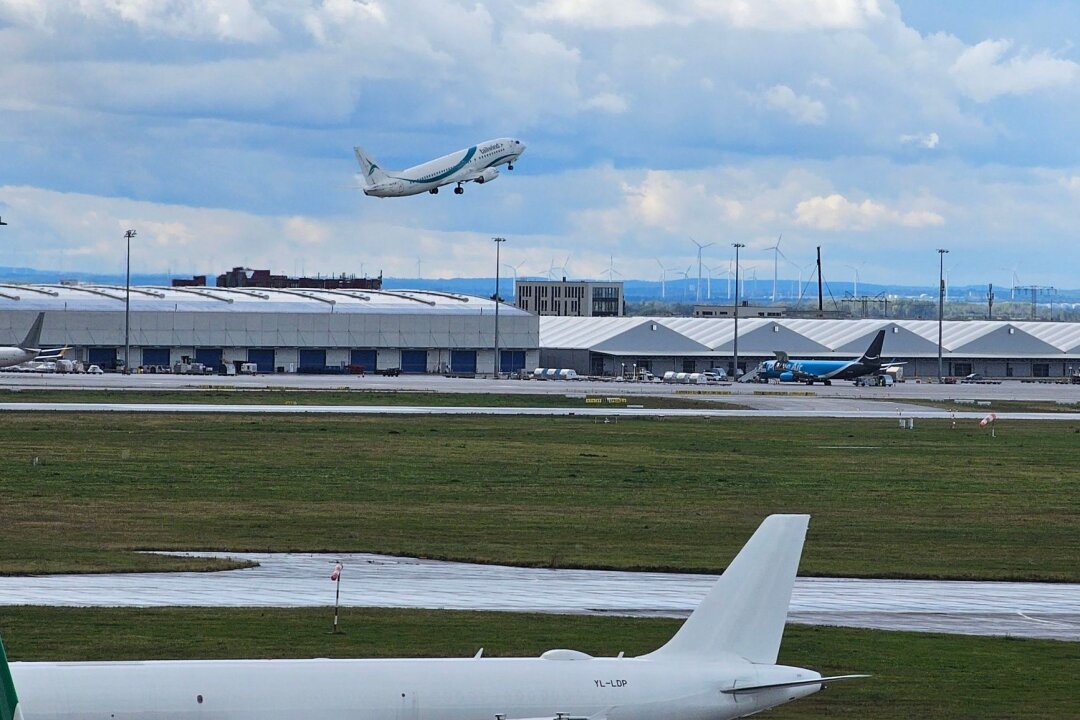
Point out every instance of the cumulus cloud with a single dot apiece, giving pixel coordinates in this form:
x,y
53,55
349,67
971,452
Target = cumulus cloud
x,y
982,73
608,102
803,109
928,140
836,212
602,13
774,15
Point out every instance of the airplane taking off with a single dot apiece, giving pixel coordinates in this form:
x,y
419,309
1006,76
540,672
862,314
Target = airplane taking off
x,y
721,664
28,349
478,164
785,369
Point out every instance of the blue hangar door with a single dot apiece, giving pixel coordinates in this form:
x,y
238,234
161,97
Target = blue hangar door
x,y
263,358
104,358
155,356
414,361
463,361
365,359
210,357
511,360
312,359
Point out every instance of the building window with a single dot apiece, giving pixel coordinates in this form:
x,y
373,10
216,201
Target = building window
x,y
1040,369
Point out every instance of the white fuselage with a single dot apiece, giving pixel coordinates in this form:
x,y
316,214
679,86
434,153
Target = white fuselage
x,y
454,689
478,163
16,355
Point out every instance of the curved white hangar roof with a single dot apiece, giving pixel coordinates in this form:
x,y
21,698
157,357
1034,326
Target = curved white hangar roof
x,y
643,337
15,297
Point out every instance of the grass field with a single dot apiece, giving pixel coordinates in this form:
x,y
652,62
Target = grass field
x,y
661,494
914,676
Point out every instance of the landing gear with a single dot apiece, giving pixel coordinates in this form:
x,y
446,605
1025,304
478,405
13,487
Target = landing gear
x,y
509,166
458,190
434,191
827,382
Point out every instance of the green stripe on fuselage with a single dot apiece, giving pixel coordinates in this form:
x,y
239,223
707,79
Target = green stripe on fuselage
x,y
446,173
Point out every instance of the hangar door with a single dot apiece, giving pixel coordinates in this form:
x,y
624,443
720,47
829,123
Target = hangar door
x,y
414,361
104,358
263,358
155,356
312,359
463,361
511,360
210,357
365,359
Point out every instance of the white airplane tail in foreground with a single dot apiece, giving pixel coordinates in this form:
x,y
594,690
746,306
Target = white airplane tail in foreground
x,y
720,665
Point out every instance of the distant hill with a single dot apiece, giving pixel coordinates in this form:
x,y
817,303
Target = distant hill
x,y
674,291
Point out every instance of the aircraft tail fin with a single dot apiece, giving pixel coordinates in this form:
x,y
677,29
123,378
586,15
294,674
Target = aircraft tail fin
x,y
373,174
872,356
745,611
33,338
9,701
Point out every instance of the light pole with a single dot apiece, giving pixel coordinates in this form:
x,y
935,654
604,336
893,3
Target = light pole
x,y
735,373
498,243
940,309
127,305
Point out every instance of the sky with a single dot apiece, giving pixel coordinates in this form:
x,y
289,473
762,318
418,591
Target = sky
x,y
222,132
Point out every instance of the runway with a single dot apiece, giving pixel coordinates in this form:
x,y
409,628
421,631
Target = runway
x,y
1035,610
824,410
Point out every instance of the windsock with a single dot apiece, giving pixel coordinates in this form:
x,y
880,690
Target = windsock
x,y
988,420
336,575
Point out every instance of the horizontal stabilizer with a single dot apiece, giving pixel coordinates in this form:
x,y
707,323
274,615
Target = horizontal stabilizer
x,y
794,683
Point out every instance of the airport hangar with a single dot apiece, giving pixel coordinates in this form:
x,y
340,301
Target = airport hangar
x,y
993,348
280,330
328,330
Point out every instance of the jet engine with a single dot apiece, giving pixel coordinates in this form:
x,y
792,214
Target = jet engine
x,y
787,376
487,176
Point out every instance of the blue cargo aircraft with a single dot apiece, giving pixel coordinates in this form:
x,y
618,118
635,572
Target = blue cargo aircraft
x,y
785,369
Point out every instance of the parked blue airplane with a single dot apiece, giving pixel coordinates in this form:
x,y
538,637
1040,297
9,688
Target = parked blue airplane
x,y
785,369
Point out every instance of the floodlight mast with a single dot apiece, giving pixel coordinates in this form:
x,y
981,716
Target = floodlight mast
x,y
127,305
498,244
942,252
735,372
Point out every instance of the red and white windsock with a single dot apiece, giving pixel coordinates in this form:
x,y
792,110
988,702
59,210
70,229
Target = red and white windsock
x,y
336,575
988,420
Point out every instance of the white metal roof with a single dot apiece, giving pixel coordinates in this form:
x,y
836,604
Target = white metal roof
x,y
760,336
251,300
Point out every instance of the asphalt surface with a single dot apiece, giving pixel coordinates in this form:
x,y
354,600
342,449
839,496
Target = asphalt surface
x,y
1034,610
824,410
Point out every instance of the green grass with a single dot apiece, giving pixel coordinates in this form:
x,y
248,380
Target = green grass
x,y
571,397
914,675
660,494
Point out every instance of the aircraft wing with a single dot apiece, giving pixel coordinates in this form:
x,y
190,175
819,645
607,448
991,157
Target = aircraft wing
x,y
52,353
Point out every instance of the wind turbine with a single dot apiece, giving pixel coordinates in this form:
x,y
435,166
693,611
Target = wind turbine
x,y
566,262
686,279
514,270
720,269
855,287
697,288
611,271
663,278
1015,280
776,262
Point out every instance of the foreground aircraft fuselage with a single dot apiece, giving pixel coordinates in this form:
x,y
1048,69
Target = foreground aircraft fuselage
x,y
479,163
472,689
720,664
